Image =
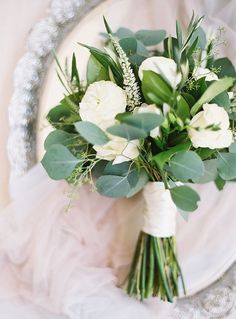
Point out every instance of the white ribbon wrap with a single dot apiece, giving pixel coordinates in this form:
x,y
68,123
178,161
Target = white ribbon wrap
x,y
160,211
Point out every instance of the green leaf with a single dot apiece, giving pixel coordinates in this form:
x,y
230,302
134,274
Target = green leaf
x,y
210,172
232,147
118,180
121,169
145,121
163,157
127,131
220,183
59,162
113,186
225,67
61,117
74,71
91,133
227,166
186,165
222,100
182,110
59,137
106,61
185,198
201,36
150,37
154,85
179,34
205,153
124,33
142,50
129,45
96,71
211,92
143,179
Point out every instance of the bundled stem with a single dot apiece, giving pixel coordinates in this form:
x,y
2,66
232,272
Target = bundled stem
x,y
155,269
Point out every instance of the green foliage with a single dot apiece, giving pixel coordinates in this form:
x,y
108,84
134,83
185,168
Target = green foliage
x,y
118,180
129,45
210,172
150,37
143,179
59,137
182,109
220,183
61,117
91,133
211,92
185,198
106,61
74,72
224,67
155,89
59,162
186,165
145,121
96,71
127,131
163,157
222,100
226,166
232,147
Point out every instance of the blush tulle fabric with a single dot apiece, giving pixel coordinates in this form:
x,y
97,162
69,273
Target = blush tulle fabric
x,y
73,265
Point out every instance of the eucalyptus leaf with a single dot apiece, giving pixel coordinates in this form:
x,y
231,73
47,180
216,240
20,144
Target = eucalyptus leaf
x,y
224,67
129,45
113,186
185,198
145,121
186,165
91,133
124,33
163,157
59,137
127,131
143,179
210,172
232,147
211,92
222,100
59,162
227,165
150,37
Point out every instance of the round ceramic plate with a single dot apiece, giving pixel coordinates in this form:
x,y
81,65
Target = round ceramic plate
x,y
38,89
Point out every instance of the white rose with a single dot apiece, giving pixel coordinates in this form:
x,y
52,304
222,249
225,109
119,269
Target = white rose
x,y
163,66
117,149
102,101
200,72
200,136
145,108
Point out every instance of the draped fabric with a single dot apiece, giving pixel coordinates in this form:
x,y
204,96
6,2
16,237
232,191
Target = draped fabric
x,y
71,263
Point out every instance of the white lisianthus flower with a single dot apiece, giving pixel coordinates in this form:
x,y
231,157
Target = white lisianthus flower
x,y
117,149
151,108
200,72
166,67
201,136
102,101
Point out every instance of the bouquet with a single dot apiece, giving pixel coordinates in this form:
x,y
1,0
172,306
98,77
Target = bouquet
x,y
155,114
